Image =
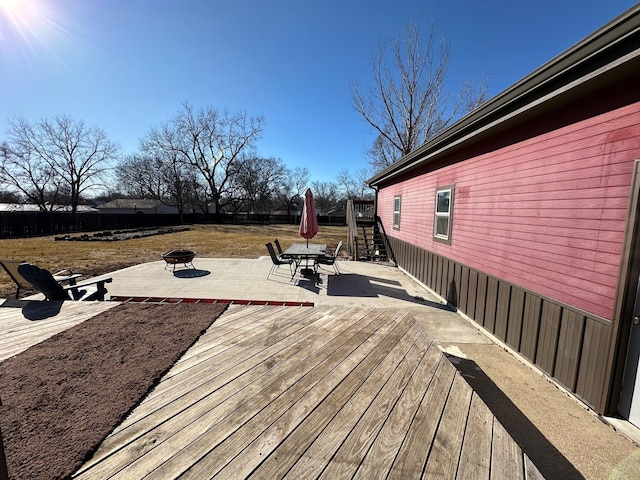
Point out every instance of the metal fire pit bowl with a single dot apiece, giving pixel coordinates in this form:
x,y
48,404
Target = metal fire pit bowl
x,y
176,257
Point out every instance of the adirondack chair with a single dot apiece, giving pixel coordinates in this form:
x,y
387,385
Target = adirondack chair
x,y
11,267
44,281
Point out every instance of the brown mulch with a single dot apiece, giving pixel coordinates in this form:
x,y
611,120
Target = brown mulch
x,y
63,396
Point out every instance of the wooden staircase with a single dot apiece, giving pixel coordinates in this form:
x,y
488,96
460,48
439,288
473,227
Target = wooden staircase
x,y
370,244
367,238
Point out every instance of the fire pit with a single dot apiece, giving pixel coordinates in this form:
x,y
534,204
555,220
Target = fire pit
x,y
175,257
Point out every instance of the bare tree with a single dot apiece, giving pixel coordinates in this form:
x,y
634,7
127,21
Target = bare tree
x,y
407,103
354,185
58,155
135,176
27,175
258,181
293,187
160,177
212,142
325,195
7,196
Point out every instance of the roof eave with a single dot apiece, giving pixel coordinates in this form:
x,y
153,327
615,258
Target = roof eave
x,y
582,62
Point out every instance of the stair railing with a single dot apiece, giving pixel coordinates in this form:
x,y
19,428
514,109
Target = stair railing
x,y
385,240
352,230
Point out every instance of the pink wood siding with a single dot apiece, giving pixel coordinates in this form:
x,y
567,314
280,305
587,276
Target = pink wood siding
x,y
547,213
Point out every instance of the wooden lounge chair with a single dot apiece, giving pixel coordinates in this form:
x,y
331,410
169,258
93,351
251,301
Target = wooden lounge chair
x,y
277,261
43,281
330,260
11,267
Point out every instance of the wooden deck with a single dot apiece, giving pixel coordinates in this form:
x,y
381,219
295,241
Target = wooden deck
x,y
24,323
300,392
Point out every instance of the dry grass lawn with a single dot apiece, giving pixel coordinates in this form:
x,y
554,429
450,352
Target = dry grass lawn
x,y
209,241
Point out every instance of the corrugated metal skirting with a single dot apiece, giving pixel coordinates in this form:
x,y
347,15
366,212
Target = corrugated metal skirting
x,y
568,344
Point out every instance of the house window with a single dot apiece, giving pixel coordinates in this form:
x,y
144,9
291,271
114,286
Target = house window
x,y
396,212
442,221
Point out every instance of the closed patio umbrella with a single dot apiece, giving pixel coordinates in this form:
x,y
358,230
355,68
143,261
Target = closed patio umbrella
x,y
308,222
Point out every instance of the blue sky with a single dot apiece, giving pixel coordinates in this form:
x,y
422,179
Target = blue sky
x,y
126,65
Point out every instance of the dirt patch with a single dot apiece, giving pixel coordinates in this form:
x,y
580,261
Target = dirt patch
x,y
63,396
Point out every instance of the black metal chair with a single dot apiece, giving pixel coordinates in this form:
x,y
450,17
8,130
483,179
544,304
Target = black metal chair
x,y
277,261
278,247
330,260
43,281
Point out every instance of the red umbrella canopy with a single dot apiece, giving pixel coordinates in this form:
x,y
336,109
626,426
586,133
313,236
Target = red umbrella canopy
x,y
308,222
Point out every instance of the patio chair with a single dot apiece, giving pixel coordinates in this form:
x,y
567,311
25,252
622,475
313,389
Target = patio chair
x,y
11,267
330,260
277,261
278,247
43,281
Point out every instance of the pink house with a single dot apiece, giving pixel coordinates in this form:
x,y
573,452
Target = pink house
x,y
524,215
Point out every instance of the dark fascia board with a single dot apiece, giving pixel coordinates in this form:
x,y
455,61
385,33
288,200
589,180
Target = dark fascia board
x,y
601,55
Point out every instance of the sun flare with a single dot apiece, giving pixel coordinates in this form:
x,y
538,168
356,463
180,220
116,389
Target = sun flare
x,y
29,24
18,17
16,10
10,5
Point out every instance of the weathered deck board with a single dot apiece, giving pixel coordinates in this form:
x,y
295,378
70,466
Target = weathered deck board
x,y
237,354
323,374
347,459
25,323
475,458
342,410
297,392
531,472
326,393
447,445
506,456
413,454
380,457
289,450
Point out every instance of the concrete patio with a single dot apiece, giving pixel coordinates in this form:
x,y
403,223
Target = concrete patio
x,y
240,278
360,284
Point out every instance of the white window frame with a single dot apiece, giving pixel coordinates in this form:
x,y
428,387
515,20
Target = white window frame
x,y
397,207
440,215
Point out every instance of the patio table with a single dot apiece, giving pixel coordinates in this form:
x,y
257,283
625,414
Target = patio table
x,y
303,251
